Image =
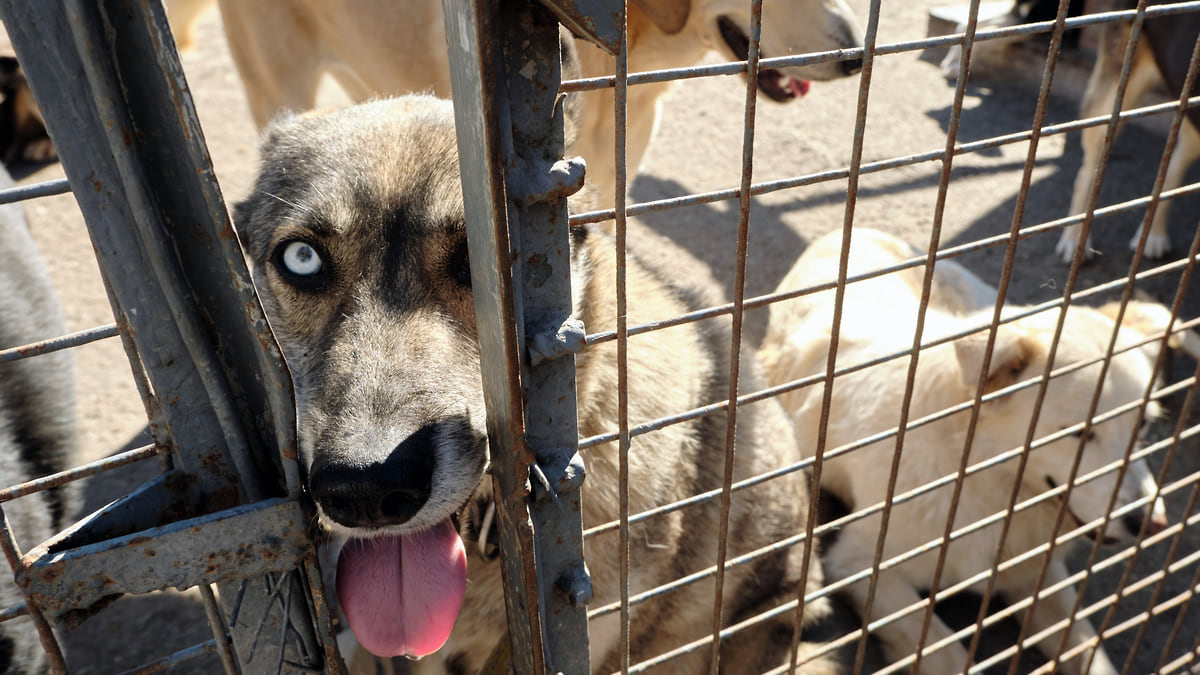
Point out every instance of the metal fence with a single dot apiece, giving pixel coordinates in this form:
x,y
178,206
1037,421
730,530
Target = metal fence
x,y
227,514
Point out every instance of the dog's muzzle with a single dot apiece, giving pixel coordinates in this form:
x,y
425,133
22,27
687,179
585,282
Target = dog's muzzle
x,y
354,493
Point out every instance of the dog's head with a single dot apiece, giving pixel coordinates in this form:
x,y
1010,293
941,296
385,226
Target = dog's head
x,y
355,231
788,27
1020,353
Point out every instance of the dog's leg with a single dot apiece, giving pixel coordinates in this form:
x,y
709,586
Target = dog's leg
x,y
1051,610
182,16
1187,149
1098,100
894,593
279,74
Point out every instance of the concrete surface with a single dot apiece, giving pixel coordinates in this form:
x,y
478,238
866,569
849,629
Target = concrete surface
x,y
698,148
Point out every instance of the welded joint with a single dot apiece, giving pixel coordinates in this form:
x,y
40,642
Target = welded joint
x,y
568,338
576,583
547,182
553,477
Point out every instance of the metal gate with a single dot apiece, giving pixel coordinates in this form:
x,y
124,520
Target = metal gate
x,y
228,514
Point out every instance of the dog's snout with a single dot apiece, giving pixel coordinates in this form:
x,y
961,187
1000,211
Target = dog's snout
x,y
377,494
852,66
1133,523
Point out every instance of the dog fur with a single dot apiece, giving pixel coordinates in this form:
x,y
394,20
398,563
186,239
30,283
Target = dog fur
x,y
879,319
381,345
282,49
36,418
1161,58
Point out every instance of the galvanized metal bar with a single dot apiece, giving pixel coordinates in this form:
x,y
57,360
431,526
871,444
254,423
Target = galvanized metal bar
x,y
481,121
24,192
543,273
505,75
126,131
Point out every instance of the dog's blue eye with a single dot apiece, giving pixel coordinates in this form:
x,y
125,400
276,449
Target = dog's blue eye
x,y
301,259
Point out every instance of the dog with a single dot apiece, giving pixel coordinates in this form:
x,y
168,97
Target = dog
x,y
1161,57
355,236
994,52
37,419
879,319
23,134
283,48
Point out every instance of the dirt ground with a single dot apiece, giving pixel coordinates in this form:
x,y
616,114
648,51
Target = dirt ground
x,y
698,148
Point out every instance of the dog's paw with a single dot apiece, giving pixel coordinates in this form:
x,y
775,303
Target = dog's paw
x,y
1067,245
1157,245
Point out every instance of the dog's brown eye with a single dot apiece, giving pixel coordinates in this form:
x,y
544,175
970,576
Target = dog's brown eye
x,y
460,265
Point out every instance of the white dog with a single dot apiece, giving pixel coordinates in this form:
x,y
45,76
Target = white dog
x,y
880,319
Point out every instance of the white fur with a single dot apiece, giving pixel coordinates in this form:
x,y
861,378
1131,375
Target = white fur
x,y
880,319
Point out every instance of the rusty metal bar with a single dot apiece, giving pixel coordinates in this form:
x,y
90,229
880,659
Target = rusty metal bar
x,y
735,347
76,473
625,439
811,58
75,339
883,165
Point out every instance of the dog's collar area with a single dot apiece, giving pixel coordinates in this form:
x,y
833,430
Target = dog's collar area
x,y
774,84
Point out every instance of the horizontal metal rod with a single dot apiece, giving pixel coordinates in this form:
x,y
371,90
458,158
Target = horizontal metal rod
x,y
768,187
25,192
67,341
77,473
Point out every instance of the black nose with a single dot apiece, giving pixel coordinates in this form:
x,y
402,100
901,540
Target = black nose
x,y
852,66
376,493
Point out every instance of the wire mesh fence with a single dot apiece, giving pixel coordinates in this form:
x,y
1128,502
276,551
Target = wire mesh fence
x,y
962,442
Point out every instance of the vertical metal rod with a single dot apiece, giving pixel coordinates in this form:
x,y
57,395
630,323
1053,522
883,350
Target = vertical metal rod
x,y
735,347
926,287
860,124
12,553
220,630
620,111
1135,262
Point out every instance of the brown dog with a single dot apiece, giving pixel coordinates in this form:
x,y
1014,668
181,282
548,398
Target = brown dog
x,y
356,238
283,48
1162,56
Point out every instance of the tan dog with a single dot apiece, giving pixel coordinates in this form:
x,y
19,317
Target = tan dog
x,y
22,130
357,244
879,319
1161,59
282,49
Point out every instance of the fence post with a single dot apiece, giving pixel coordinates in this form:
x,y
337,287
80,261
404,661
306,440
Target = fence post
x,y
505,74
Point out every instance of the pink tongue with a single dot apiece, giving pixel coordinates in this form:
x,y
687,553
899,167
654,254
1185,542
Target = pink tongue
x,y
401,594
798,87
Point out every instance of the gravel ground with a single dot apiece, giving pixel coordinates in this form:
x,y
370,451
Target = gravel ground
x,y
698,148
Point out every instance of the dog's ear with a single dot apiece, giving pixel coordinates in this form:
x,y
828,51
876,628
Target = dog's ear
x,y
1148,318
1014,351
669,15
